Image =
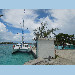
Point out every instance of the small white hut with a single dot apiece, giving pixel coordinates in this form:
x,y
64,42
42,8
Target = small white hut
x,y
45,48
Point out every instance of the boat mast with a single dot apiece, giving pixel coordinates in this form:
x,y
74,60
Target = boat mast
x,y
23,33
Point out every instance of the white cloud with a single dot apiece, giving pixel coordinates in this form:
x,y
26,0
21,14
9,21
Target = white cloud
x,y
2,27
9,36
64,20
14,17
4,34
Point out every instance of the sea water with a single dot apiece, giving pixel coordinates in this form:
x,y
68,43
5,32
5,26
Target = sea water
x,y
66,47
18,58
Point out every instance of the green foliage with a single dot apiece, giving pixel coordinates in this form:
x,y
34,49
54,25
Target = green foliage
x,y
64,38
43,31
56,56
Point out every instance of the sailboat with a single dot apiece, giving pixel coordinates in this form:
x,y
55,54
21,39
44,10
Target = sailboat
x,y
23,47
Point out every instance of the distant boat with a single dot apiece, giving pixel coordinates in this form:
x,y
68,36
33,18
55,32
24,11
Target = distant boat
x,y
22,46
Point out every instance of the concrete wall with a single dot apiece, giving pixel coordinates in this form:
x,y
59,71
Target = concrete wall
x,y
45,48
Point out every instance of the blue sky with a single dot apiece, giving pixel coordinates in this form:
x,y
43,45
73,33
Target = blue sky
x,y
12,21
41,14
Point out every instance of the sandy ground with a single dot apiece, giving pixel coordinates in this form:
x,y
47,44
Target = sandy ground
x,y
64,57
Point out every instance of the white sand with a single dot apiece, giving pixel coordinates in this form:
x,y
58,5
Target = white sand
x,y
65,57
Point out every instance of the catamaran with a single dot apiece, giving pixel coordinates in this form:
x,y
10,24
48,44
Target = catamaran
x,y
24,47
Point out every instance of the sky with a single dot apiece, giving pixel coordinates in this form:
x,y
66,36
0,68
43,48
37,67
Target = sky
x,y
12,21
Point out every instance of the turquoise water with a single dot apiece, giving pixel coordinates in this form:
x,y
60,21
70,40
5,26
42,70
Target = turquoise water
x,y
18,58
66,47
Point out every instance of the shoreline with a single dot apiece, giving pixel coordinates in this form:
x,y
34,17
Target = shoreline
x,y
64,57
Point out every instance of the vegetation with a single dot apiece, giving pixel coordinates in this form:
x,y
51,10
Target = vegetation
x,y
64,38
43,31
7,43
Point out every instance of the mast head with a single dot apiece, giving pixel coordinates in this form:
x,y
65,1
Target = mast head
x,y
23,23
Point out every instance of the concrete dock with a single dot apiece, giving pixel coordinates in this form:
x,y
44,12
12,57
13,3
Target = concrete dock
x,y
34,52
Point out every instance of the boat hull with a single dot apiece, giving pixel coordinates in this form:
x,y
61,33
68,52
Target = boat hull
x,y
22,50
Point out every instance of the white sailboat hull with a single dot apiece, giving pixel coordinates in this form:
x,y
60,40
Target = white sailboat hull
x,y
23,49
